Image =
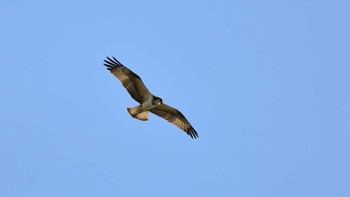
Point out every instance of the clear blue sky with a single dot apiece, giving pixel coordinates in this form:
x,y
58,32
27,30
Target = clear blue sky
x,y
265,83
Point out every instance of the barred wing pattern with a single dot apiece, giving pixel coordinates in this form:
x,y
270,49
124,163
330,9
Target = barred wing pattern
x,y
176,117
131,81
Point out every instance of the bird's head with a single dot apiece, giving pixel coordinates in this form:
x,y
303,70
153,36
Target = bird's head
x,y
157,100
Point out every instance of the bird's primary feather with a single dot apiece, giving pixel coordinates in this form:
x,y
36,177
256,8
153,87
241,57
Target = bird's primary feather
x,y
131,81
176,117
148,102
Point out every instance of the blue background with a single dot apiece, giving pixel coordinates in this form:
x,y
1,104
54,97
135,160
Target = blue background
x,y
265,83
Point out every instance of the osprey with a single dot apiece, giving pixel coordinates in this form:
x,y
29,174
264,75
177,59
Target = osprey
x,y
148,102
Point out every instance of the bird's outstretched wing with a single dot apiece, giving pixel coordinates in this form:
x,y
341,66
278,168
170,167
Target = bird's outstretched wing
x,y
131,81
176,117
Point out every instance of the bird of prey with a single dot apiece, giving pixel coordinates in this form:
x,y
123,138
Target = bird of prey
x,y
148,102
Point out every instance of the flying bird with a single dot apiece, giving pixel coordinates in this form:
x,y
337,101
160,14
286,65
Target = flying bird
x,y
148,102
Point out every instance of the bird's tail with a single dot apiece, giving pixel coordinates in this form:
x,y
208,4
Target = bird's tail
x,y
136,112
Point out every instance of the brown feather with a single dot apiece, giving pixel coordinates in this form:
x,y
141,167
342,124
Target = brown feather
x,y
138,91
131,81
176,117
136,112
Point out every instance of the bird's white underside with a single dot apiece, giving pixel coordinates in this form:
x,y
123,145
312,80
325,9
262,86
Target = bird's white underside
x,y
147,104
